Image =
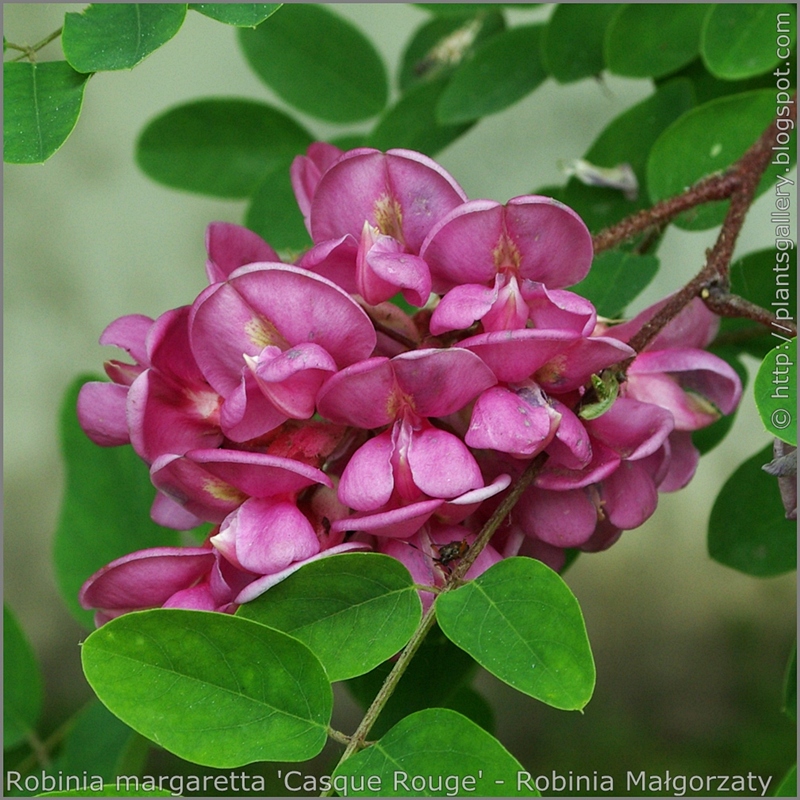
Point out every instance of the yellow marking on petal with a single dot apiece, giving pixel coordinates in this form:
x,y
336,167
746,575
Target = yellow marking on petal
x,y
263,333
389,217
220,490
551,373
506,255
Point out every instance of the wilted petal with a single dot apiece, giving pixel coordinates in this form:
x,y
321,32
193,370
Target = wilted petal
x,y
146,578
101,413
232,246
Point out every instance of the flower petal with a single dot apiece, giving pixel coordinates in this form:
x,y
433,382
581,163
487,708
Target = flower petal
x,y
368,479
232,246
101,413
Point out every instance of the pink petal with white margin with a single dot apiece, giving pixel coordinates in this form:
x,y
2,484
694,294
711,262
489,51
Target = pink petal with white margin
x,y
503,420
101,413
368,479
146,578
632,429
232,246
441,465
265,536
397,523
366,184
459,508
562,519
261,585
441,382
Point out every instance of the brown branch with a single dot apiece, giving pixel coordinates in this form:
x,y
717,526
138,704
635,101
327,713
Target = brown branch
x,y
725,304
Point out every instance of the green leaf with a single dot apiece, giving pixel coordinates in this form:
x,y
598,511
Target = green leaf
x,y
353,610
503,70
442,43
706,140
101,745
242,15
109,36
274,215
788,786
627,140
648,40
224,148
211,688
22,683
105,512
789,706
766,278
573,42
615,279
706,439
520,621
411,123
748,529
41,105
775,390
738,39
319,63
437,677
433,753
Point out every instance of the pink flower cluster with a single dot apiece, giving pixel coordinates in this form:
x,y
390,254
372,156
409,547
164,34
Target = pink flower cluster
x,y
303,415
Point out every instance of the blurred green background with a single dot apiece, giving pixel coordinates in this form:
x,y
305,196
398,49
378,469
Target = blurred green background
x,y
690,654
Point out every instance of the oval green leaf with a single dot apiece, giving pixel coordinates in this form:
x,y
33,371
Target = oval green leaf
x,y
353,610
434,753
223,148
211,688
521,622
748,529
775,390
738,39
105,512
411,123
274,215
242,15
503,70
627,139
709,139
573,42
22,683
442,43
110,36
648,40
41,105
319,63
615,279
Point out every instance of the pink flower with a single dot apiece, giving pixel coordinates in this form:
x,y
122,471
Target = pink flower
x,y
489,259
370,213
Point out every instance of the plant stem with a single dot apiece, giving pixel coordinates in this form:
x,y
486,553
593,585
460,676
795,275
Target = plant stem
x,y
29,51
357,740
